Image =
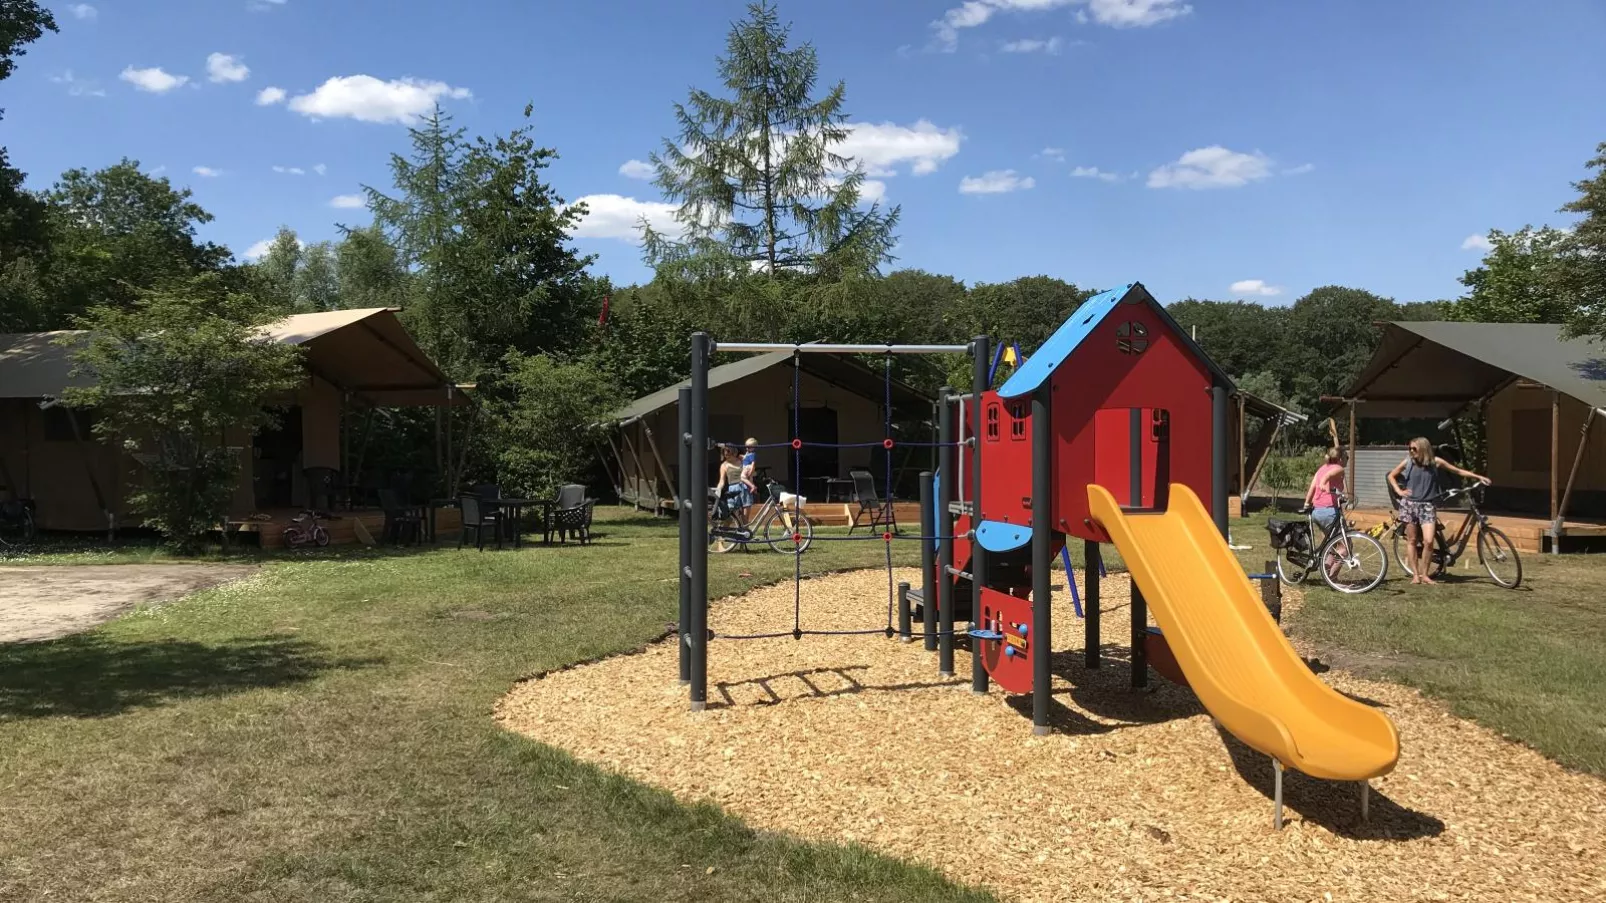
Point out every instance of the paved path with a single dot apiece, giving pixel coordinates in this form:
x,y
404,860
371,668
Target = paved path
x,y
45,602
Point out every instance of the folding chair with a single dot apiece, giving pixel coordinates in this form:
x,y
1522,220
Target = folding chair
x,y
870,502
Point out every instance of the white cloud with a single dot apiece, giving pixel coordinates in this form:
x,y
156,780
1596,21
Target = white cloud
x,y
260,249
1113,13
320,169
154,79
1255,287
997,181
348,202
616,216
1477,243
264,5
290,170
1299,170
269,96
1032,45
226,67
882,147
207,172
1212,167
84,12
1093,172
872,190
1057,154
636,169
79,87
401,101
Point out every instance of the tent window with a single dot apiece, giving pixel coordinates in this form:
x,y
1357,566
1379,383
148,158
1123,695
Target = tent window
x,y
59,428
1530,440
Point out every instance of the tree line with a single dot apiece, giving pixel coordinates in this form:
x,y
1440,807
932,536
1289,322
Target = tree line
x,y
773,242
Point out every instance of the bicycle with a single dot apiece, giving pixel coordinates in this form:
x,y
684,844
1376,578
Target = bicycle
x,y
1342,554
306,528
786,529
1495,551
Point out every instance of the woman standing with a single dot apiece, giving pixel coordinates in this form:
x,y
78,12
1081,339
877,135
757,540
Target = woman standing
x,y
1322,496
731,490
1416,479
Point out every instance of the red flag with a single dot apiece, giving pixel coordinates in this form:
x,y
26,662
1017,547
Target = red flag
x,y
602,319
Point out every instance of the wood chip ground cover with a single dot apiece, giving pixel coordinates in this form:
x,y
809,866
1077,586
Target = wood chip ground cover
x,y
1135,795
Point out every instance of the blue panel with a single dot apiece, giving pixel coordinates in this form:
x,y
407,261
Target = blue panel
x,y
1045,360
995,536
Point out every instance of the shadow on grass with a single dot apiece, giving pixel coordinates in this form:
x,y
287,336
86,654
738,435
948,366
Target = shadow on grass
x,y
88,676
1335,805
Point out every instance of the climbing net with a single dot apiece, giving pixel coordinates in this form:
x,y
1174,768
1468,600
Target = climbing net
x,y
890,532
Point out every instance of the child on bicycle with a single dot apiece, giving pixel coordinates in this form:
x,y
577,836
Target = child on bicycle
x,y
731,490
1416,480
1328,481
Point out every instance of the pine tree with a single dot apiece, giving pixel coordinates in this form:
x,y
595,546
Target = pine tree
x,y
758,181
1584,280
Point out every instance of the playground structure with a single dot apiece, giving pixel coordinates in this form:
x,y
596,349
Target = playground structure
x,y
1098,435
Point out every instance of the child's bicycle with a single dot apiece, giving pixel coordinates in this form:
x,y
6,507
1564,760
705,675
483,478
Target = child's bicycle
x,y
1349,561
1495,551
306,528
785,528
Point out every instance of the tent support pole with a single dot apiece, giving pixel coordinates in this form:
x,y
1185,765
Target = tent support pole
x,y
636,474
652,443
1555,472
1572,475
1349,463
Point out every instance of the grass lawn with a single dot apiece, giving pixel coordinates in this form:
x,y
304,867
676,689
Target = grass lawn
x,y
1529,663
322,732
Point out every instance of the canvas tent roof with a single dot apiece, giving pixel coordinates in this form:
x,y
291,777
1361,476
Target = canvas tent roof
x,y
843,371
1436,369
367,352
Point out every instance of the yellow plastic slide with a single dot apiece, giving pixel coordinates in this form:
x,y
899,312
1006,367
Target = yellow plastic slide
x,y
1234,655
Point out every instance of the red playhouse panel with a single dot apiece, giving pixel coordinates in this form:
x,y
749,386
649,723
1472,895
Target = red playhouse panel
x,y
1132,359
1008,660
1160,657
1006,455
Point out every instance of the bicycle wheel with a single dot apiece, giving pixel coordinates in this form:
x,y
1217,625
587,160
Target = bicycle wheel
x,y
1402,544
1353,562
320,536
789,532
1289,570
1499,557
722,533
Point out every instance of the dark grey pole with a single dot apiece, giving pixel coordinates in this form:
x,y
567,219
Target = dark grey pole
x,y
1140,629
948,464
1090,602
1042,638
683,496
928,560
982,350
698,621
1218,457
905,629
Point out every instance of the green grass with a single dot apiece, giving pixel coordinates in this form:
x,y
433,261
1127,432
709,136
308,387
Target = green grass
x,y
1529,663
323,732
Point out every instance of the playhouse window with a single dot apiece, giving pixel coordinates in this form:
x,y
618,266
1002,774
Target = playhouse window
x,y
1017,422
1132,337
992,422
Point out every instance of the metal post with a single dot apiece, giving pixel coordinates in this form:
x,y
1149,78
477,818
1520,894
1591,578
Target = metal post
x,y
1271,592
928,560
1092,566
700,353
1140,629
684,503
980,348
1366,801
948,458
1277,797
905,633
1218,457
1042,638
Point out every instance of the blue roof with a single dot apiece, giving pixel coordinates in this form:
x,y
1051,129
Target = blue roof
x,y
1045,360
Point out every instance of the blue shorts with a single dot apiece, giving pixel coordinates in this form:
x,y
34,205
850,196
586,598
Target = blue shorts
x,y
738,496
1324,516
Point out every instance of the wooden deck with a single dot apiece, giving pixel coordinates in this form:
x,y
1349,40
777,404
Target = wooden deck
x,y
1528,533
268,526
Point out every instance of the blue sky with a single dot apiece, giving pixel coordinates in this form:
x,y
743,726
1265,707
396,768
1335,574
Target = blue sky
x,y
1213,148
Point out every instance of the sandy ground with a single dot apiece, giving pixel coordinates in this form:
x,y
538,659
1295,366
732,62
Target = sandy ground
x,y
1134,796
41,603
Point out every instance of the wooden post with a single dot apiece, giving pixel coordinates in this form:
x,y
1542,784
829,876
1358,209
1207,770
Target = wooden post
x,y
1349,463
1243,491
1555,462
1578,458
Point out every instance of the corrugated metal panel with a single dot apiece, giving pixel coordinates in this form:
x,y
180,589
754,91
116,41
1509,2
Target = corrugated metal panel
x,y
1372,466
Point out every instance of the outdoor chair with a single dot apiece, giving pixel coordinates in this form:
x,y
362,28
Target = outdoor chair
x,y
403,522
871,503
323,484
572,514
479,520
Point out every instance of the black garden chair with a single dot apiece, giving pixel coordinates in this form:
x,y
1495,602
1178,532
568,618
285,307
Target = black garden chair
x,y
479,520
870,502
403,522
572,513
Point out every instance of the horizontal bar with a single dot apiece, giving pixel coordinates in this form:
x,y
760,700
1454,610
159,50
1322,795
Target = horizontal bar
x,y
821,348
963,575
